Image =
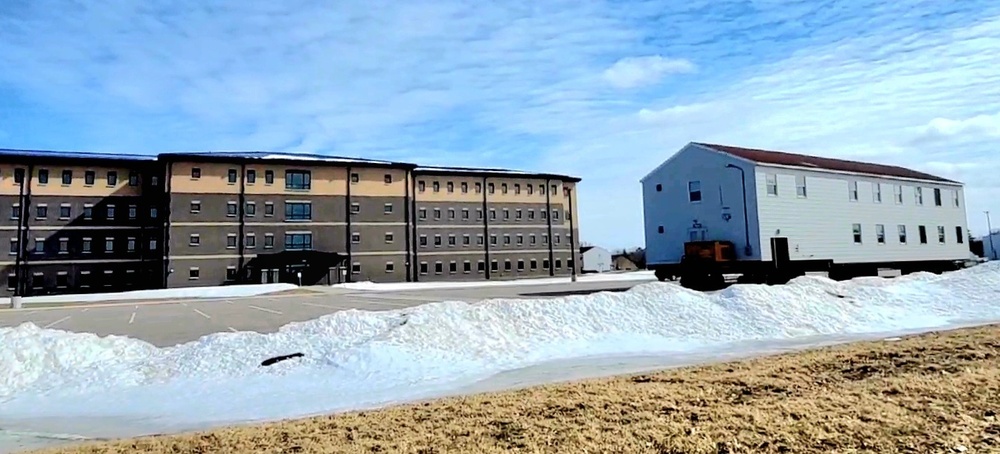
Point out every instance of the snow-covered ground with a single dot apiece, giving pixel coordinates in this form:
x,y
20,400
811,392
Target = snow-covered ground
x,y
228,291
402,286
80,384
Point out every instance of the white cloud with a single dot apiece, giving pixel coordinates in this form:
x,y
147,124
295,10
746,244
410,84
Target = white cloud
x,y
631,72
979,125
522,84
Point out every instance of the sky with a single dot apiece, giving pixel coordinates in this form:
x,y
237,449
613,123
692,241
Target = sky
x,y
602,90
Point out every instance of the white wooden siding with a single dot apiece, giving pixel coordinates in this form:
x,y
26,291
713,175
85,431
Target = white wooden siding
x,y
819,226
719,213
597,259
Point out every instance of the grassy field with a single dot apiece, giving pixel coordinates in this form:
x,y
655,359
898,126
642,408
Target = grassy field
x,y
931,393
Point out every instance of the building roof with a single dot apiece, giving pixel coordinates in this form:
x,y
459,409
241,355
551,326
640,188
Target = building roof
x,y
277,157
73,155
584,249
493,172
816,162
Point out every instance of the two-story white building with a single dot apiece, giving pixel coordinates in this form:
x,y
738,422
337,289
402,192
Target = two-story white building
x,y
820,213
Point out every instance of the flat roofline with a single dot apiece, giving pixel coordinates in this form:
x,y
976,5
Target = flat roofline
x,y
31,155
492,172
276,157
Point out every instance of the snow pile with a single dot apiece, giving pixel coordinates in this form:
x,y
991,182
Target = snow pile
x,y
228,291
400,286
356,358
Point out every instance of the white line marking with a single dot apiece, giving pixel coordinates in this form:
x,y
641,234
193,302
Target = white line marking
x,y
228,302
201,313
232,329
56,322
265,309
324,306
30,312
184,304
131,319
85,309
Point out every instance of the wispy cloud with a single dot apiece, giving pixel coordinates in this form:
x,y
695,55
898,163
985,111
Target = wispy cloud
x,y
604,90
631,72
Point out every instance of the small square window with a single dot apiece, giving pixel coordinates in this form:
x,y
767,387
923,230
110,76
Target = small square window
x,y
195,172
112,178
67,177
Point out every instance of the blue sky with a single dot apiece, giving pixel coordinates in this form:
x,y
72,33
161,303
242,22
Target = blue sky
x,y
604,90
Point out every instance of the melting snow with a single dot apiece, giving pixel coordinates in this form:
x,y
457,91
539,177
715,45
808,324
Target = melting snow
x,y
357,359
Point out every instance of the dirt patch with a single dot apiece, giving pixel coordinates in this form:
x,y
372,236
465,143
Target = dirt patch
x,y
938,392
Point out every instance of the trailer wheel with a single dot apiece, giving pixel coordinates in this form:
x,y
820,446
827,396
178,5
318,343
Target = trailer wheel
x,y
663,275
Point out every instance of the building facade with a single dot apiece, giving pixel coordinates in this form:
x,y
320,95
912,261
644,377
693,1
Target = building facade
x,y
207,219
811,208
596,259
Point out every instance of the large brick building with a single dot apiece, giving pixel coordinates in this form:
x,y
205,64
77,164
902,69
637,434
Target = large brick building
x,y
82,222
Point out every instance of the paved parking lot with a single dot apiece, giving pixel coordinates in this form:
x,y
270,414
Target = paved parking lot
x,y
170,323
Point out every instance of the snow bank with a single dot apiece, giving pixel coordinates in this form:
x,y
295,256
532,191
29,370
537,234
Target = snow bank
x,y
229,291
401,286
355,359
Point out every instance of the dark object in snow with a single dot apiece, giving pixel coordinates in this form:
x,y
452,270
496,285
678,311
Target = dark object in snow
x,y
277,359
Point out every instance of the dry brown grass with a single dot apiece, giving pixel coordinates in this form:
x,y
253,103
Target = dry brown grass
x,y
931,393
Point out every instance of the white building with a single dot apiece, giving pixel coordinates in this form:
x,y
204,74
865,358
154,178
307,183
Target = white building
x,y
595,259
827,209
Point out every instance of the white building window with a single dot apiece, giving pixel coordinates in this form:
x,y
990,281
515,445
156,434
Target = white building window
x,y
857,233
897,194
800,185
880,233
954,198
772,184
877,192
941,234
853,190
902,234
918,195
694,191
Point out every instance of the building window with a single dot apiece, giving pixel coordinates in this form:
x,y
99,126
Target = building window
x,y
130,244
954,198
268,177
154,181
545,264
387,178
195,207
518,214
423,240
355,178
195,173
67,177
387,208
298,241
194,240
520,239
251,208
230,273
133,178
481,266
268,240
941,235
88,211
438,267
479,188
109,244
436,186
503,188
231,209
251,176
268,209
494,266
491,188
63,245
231,241
251,240
937,197
533,264
923,234
389,237
520,265
877,192
451,213
530,189
152,244
132,212
958,235
355,208
421,186
480,240
902,233
153,212
112,178
85,246
453,267
493,213
437,240
918,195
437,213
531,239
194,273
422,213
506,239
852,189
506,213
857,233
555,213
13,246
451,187
299,180
62,279
880,233
897,194
800,185
423,267
659,229
479,214
452,241
493,239
558,264
466,267
356,238
694,191
43,176
771,180
466,239
232,176
659,187
465,213
517,189
41,211
465,187
390,267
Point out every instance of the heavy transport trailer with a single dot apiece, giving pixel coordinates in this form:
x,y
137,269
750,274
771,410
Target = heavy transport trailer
x,y
705,264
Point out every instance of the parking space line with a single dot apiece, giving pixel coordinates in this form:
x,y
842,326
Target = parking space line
x,y
232,329
85,309
264,309
56,322
322,305
201,313
131,318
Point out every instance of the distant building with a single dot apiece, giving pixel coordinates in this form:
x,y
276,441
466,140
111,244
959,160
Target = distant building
x,y
991,250
621,262
595,259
